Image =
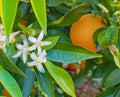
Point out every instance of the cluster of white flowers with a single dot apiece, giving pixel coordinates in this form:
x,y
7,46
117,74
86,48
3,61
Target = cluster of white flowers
x,y
26,48
3,38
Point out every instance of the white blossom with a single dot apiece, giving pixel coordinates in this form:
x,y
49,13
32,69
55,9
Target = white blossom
x,y
38,43
22,50
38,60
3,38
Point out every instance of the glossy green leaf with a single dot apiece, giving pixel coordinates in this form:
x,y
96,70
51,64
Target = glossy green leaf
x,y
39,8
63,37
58,2
62,78
55,2
68,53
53,41
8,15
107,93
7,63
28,83
109,37
72,15
46,83
70,2
117,93
9,83
113,79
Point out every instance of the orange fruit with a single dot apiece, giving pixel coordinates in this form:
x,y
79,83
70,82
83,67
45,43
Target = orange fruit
x,y
73,67
81,32
5,93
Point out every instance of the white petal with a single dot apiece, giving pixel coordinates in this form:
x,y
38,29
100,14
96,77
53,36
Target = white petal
x,y
43,60
39,50
25,43
3,38
24,55
19,46
44,53
31,48
14,34
0,33
41,68
30,25
33,56
32,39
4,44
45,43
18,54
31,63
40,37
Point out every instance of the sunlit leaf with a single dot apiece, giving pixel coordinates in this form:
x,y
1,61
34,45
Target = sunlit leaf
x,y
72,15
62,78
9,9
9,83
39,7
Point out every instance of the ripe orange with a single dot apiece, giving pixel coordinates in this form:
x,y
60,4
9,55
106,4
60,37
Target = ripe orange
x,y
81,32
73,67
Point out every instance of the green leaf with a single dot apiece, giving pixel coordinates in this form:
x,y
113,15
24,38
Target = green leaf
x,y
45,83
58,2
113,79
9,9
55,2
9,83
72,15
28,83
63,37
107,93
27,31
39,8
117,93
116,4
109,37
70,2
53,41
62,78
68,53
116,54
8,64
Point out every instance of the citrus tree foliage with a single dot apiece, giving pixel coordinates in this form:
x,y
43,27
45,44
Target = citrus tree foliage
x,y
35,45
